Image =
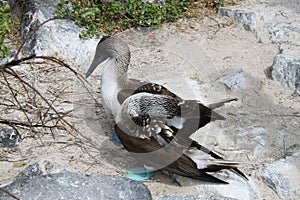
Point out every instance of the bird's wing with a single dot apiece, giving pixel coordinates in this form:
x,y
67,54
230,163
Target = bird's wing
x,y
145,115
176,156
187,116
196,145
193,114
135,86
157,151
129,89
154,88
156,144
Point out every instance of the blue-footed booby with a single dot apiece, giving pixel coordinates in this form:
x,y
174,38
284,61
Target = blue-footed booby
x,y
152,122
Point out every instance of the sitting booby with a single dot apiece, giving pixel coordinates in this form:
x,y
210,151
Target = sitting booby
x,y
142,127
114,53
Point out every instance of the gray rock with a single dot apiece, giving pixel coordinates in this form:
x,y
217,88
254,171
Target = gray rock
x,y
286,70
2,2
178,197
59,37
36,181
7,59
9,137
235,80
192,197
271,21
218,198
282,176
245,17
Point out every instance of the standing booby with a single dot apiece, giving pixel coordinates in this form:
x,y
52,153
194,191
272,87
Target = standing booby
x,y
142,127
176,117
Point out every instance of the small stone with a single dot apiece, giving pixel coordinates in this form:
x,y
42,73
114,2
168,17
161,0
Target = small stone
x,y
192,25
9,137
235,80
268,72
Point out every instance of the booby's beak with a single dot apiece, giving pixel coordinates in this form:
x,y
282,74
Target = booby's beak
x,y
100,57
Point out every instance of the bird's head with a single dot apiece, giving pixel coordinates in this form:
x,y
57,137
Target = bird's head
x,y
110,47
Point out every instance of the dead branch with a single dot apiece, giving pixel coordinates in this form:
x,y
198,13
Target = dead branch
x,y
8,193
14,123
40,104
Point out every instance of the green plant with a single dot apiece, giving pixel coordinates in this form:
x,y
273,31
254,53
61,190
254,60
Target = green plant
x,y
115,15
6,22
214,3
20,164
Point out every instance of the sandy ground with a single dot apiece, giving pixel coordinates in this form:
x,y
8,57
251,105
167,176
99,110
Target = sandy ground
x,y
190,57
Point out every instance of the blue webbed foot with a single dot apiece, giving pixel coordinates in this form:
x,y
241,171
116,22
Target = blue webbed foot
x,y
139,174
136,173
115,138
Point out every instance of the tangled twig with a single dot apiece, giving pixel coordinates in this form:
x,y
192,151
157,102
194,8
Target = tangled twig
x,y
8,193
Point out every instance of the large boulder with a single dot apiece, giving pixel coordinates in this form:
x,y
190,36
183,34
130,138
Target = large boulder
x,y
58,37
286,69
43,181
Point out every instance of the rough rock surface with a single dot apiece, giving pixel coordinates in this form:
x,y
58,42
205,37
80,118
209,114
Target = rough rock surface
x,y
286,69
235,80
283,176
275,21
38,181
192,197
46,39
9,137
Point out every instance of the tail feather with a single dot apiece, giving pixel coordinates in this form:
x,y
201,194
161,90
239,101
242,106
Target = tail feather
x,y
215,116
231,166
221,103
207,115
209,178
186,167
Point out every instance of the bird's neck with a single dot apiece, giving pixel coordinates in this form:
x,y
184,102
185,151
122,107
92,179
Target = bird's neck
x,y
113,80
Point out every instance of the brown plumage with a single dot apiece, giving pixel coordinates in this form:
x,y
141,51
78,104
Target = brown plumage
x,y
173,158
